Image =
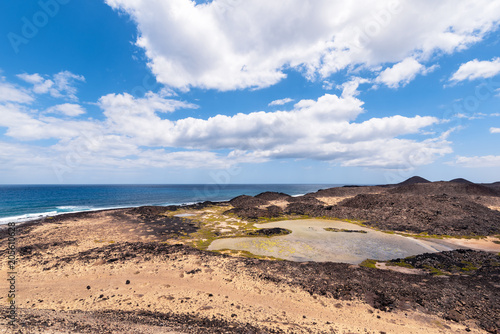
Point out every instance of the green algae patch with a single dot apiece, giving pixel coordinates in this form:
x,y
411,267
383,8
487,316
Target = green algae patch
x,y
400,263
369,263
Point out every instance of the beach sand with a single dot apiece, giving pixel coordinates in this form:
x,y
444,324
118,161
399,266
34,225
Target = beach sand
x,y
89,273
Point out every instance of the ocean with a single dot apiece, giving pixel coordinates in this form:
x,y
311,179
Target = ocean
x,y
27,202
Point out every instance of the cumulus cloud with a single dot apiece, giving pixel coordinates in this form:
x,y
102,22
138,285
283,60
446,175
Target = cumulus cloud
x,y
321,129
11,93
280,102
239,44
68,109
61,85
22,156
476,69
494,130
137,132
26,124
402,73
478,161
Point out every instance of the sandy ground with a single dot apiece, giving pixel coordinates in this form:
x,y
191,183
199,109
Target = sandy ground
x,y
182,285
487,244
333,200
161,287
412,271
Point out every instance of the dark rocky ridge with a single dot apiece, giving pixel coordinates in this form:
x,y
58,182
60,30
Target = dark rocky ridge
x,y
413,180
346,191
416,205
460,261
449,188
245,201
272,196
256,213
461,180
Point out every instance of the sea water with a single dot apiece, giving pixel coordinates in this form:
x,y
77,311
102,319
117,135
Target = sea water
x,y
27,202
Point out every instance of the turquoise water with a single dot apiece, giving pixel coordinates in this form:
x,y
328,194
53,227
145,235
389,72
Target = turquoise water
x,y
25,202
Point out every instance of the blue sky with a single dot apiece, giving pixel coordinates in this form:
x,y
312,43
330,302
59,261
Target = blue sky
x,y
135,91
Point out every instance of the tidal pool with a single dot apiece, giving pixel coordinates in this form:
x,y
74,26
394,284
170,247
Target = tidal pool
x,y
309,241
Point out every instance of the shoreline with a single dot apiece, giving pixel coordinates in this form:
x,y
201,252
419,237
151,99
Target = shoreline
x,y
142,265
78,268
31,202
41,216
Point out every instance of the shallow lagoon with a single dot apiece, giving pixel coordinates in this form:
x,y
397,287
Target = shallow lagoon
x,y
309,241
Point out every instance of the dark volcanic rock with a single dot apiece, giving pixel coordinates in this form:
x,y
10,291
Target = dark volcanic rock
x,y
413,180
460,261
449,188
461,180
272,196
270,232
274,211
305,209
306,199
437,214
271,211
245,201
150,211
161,226
112,321
346,191
495,185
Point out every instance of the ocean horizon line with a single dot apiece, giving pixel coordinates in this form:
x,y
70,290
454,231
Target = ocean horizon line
x,y
20,203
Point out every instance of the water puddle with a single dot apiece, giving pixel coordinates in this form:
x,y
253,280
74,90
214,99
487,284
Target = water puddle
x,y
309,241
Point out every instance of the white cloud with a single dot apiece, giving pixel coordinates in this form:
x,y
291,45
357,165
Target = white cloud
x,y
68,109
250,44
319,129
471,117
478,161
476,69
60,86
22,156
137,132
26,124
402,73
494,130
280,102
11,93
133,134
328,85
